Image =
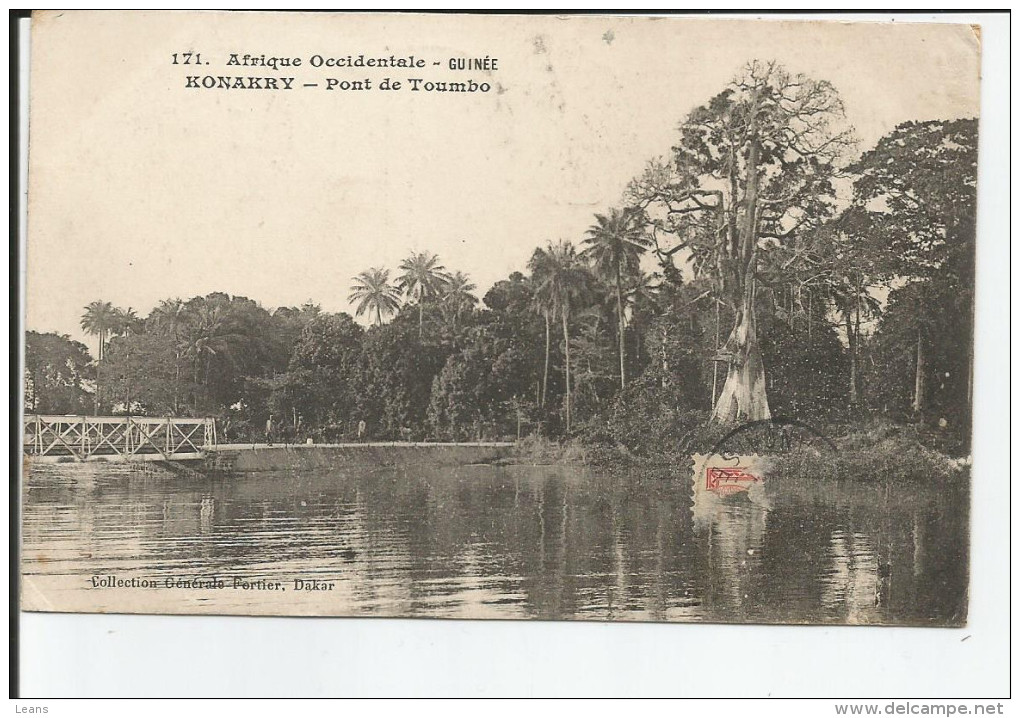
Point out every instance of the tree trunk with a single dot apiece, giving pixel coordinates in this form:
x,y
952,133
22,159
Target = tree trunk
x,y
809,319
35,390
715,364
177,382
545,373
665,359
970,369
919,375
743,395
566,345
127,383
857,341
851,338
195,384
99,384
619,314
421,318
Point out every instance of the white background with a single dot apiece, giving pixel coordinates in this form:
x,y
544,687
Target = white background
x,y
94,655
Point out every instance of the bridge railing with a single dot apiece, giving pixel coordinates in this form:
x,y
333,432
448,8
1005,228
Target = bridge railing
x,y
125,438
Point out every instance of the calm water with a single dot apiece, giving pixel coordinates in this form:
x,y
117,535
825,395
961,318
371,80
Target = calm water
x,y
499,542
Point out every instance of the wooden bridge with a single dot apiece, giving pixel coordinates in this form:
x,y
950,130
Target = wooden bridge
x,y
117,438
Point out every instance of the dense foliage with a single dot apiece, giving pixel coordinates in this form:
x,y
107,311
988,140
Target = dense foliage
x,y
57,372
853,307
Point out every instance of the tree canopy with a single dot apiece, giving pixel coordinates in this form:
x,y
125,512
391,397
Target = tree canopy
x,y
762,265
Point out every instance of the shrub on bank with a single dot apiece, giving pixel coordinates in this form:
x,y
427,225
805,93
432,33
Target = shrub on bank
x,y
536,449
861,458
647,421
644,427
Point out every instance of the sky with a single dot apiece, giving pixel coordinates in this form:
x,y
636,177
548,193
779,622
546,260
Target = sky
x,y
141,189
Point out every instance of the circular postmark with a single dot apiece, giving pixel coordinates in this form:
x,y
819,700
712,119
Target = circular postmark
x,y
737,464
775,436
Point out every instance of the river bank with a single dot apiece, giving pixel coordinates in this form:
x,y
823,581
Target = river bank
x,y
861,452
855,452
250,458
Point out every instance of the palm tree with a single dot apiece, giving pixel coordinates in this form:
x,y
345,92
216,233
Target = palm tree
x,y
642,289
374,293
125,322
458,295
99,319
540,266
592,350
615,245
562,280
849,294
423,278
168,316
167,319
212,333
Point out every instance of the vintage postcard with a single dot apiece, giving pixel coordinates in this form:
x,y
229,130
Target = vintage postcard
x,y
500,316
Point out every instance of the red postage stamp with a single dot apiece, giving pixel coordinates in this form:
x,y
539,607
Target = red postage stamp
x,y
729,479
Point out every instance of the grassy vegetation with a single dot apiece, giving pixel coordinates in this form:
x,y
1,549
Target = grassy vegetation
x,y
863,451
539,450
897,460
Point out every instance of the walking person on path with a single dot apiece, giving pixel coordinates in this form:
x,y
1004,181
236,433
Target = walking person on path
x,y
269,430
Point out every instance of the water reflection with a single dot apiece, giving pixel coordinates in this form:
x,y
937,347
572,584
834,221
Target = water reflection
x,y
512,542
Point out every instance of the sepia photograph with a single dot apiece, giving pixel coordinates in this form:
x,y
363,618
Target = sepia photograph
x,y
586,318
